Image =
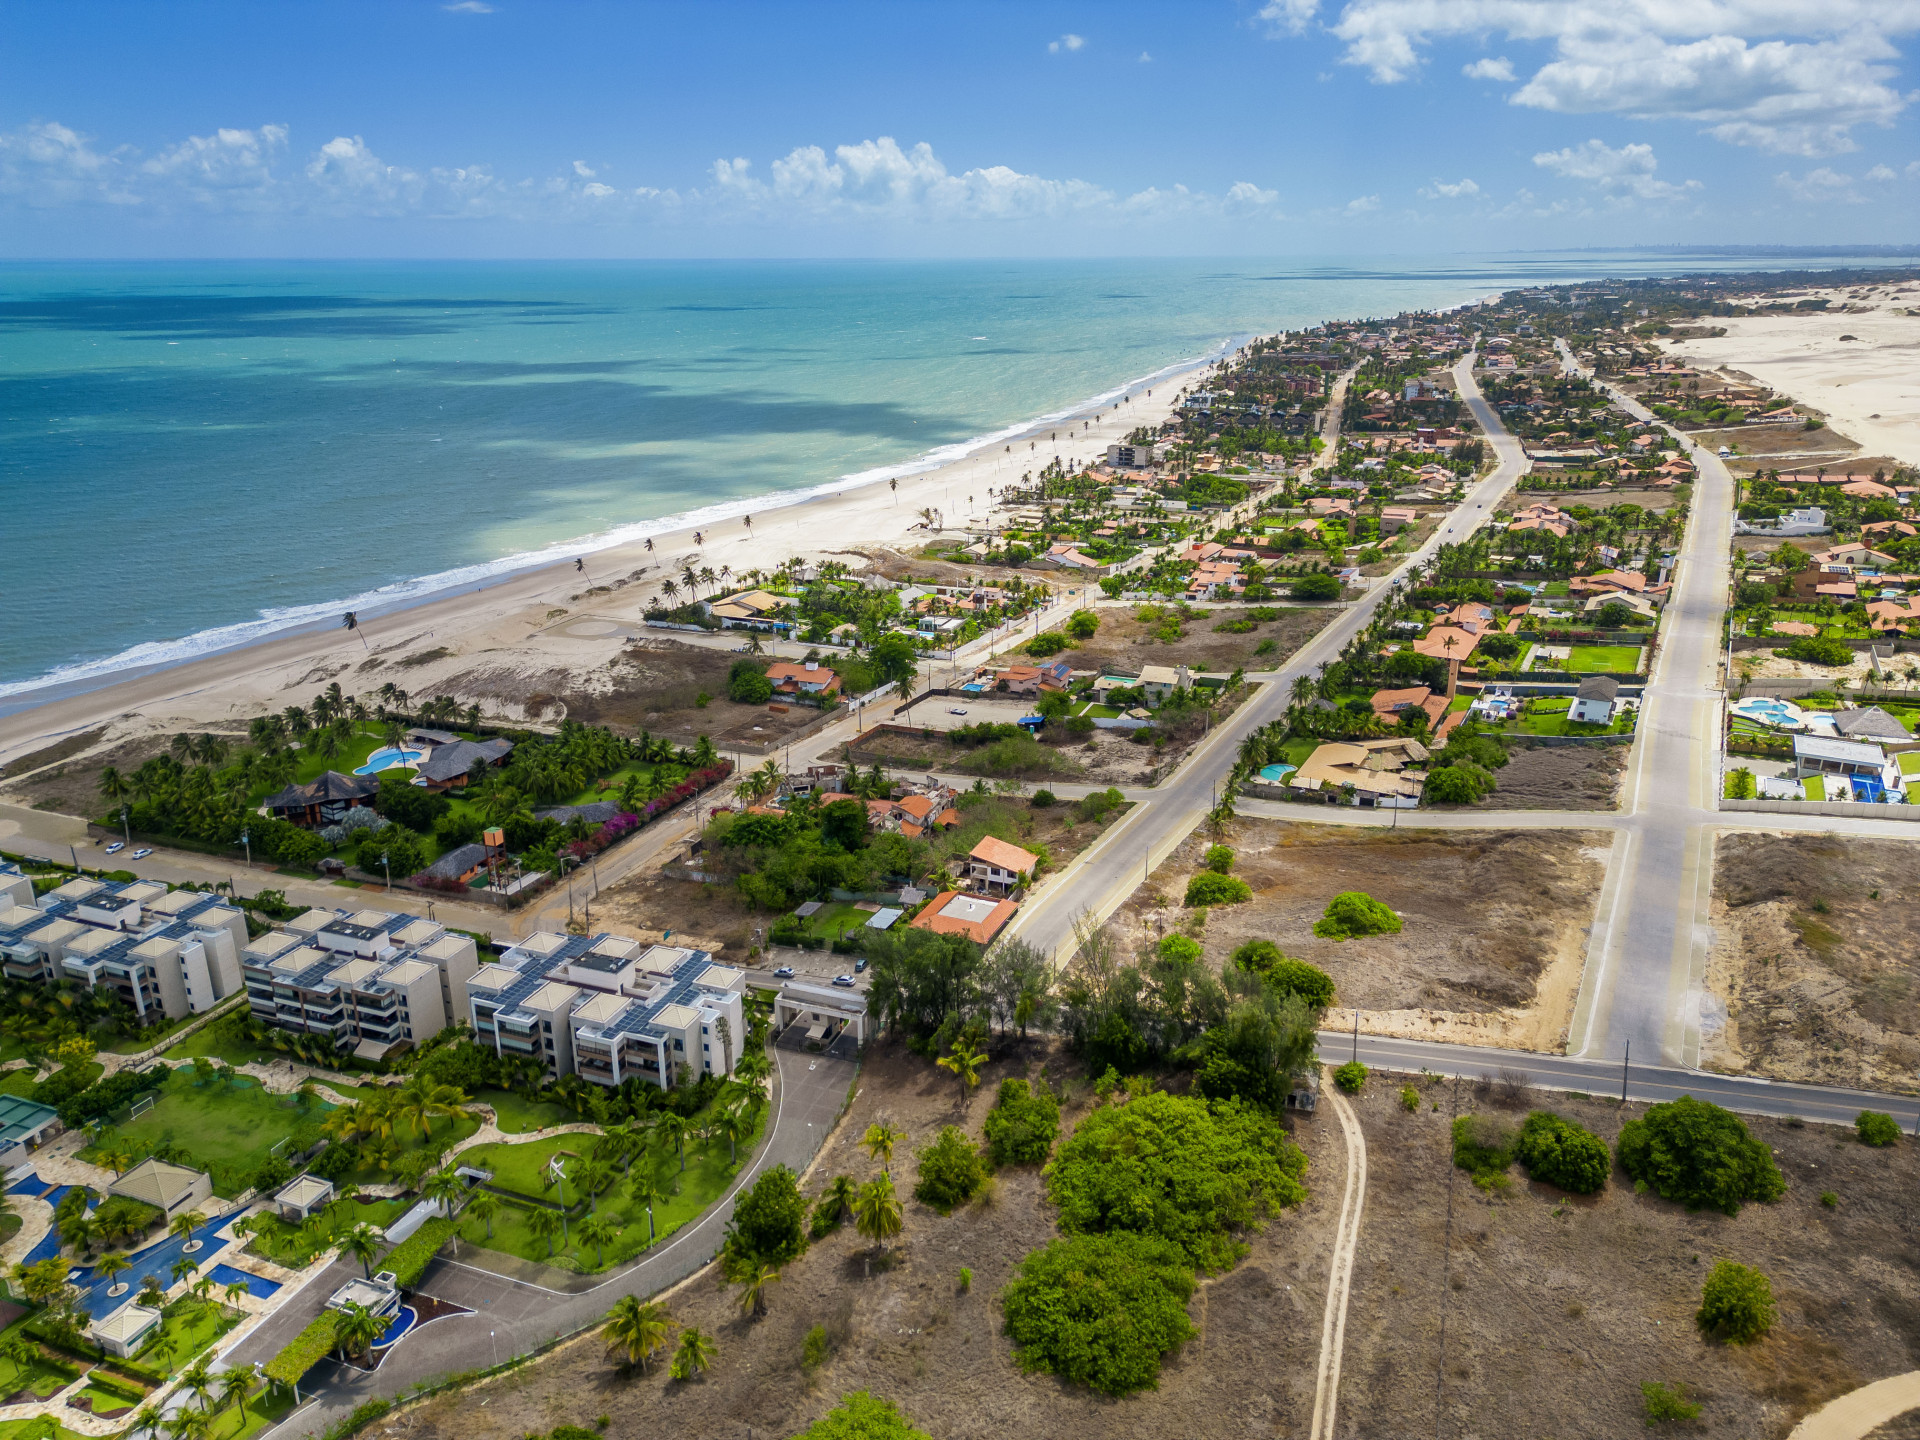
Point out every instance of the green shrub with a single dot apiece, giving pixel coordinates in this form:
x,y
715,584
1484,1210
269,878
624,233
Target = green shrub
x,y
1219,859
1210,887
767,1225
1100,1310
1177,1168
409,1259
1874,1128
1699,1155
1664,1402
1409,1099
1285,975
1560,1152
1350,1077
1820,650
1354,912
1041,799
964,1281
1050,643
860,1416
1315,587
950,1171
1736,1303
1082,624
814,1349
1022,1124
1829,1199
1483,1147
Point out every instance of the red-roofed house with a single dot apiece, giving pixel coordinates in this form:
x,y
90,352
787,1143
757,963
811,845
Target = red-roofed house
x,y
808,677
996,867
974,916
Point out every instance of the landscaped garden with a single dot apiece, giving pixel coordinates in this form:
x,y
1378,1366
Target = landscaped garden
x,y
294,1246
1604,659
217,1121
517,1115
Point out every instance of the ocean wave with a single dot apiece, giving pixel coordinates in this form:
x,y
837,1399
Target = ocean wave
x,y
404,594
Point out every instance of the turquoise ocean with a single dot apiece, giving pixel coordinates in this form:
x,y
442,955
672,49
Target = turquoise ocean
x,y
195,455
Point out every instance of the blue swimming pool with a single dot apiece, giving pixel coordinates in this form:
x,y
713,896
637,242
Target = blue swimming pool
x,y
387,758
225,1275
402,1323
1276,773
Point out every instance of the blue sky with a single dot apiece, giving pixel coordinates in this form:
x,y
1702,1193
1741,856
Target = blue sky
x,y
1292,127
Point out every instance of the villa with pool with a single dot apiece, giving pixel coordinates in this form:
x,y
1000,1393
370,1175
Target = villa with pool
x,y
439,761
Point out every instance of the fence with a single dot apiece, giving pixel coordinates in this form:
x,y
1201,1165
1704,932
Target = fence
x,y
1834,809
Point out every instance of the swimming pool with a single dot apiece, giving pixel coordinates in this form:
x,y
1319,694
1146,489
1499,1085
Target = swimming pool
x,y
1274,774
402,1323
258,1287
387,758
1769,711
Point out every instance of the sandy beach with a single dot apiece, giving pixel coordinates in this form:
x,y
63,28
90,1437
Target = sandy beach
x,y
1867,385
508,625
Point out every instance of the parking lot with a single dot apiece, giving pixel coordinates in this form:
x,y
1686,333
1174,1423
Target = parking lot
x,y
812,967
936,711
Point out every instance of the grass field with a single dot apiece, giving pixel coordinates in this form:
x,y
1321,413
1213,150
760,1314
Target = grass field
x,y
229,1126
1601,659
186,1328
518,1116
42,1377
39,1427
834,920
445,1132
20,1082
670,775
707,1177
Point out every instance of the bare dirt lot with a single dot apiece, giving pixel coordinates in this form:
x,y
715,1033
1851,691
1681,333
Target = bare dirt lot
x,y
1558,1307
1103,758
1559,777
1598,499
1813,964
906,1333
71,786
1494,921
1125,642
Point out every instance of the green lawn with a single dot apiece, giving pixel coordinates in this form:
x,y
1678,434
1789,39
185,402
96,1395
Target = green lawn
x,y
228,1126
608,788
291,1246
518,1116
42,1377
1618,659
186,1328
152,1036
1814,788
707,1177
1095,711
835,919
20,1082
1909,762
445,1133
1555,588
40,1427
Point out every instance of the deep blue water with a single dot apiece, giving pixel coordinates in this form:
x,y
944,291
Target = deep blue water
x,y
192,455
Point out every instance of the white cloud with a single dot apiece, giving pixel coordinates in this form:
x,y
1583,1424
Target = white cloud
x,y
1781,75
1066,42
468,7
1440,190
1628,171
1363,205
1245,192
1290,17
1488,68
581,169
1822,186
1882,173
48,165
1145,58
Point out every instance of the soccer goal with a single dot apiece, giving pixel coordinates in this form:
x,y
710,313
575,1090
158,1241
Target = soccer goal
x,y
140,1107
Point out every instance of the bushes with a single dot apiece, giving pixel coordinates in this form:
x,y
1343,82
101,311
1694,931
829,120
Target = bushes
x,y
1736,1304
1483,1147
1051,642
1083,624
950,1171
861,1416
1562,1153
1022,1124
1179,1169
1350,1077
1210,887
1100,1310
409,1259
1042,799
747,682
1664,1402
1461,784
1874,1128
1285,975
1219,859
303,1352
1315,587
1409,1099
82,1108
1355,913
1699,1155
1820,650
767,1222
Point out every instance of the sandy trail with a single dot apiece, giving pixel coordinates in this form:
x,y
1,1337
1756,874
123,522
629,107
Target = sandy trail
x,y
1346,1241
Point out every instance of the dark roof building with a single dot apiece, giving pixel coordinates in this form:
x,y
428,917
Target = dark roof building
x,y
324,801
1598,687
461,863
1870,723
449,765
596,812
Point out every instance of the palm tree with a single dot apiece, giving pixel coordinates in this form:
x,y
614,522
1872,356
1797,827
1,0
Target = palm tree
x,y
674,1128
446,1187
544,1224
879,1141
877,1212
145,1421
636,1328
645,1190
183,1225
363,1243
114,787
841,1195
694,1355
596,1230
235,1291
112,1265
590,1178
753,1291
964,1062
197,1380
356,1328
234,1386
485,1206
182,1268
736,1126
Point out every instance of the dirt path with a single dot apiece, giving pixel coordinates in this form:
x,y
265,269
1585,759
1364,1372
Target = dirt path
x,y
1346,1239
1859,1412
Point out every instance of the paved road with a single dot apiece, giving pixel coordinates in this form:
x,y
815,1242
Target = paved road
x,y
510,1316
1102,877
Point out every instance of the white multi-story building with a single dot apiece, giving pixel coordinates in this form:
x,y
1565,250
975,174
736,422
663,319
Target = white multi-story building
x,y
166,953
608,1008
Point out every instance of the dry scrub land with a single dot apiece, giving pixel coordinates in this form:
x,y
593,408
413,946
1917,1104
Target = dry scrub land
x,y
908,1334
1558,1307
1494,921
1126,643
1814,966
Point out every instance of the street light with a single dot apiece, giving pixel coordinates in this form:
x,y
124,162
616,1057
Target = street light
x,y
246,839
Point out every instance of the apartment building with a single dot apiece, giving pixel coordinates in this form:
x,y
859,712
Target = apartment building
x,y
608,1008
168,954
367,980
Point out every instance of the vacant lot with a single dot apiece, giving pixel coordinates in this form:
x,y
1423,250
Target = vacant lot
x,y
1125,642
656,685
69,782
1557,1308
1814,971
1559,777
908,1334
1494,921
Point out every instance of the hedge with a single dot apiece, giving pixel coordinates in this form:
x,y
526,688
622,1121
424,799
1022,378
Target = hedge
x,y
409,1259
303,1352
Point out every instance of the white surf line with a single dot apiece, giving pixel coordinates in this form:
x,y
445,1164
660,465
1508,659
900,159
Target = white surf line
x,y
1333,1327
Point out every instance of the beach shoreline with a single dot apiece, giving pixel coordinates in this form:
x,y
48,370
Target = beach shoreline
x,y
506,611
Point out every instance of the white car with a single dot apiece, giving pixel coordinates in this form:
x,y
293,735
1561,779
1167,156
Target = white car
x,y
116,847
140,854
956,710
845,981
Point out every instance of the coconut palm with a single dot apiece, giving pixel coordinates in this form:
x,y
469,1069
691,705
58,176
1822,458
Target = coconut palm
x,y
112,1265
544,1224
356,1328
596,1230
963,1062
841,1195
879,1141
145,1421
363,1243
197,1380
183,1225
637,1328
695,1354
736,1125
590,1178
877,1212
485,1207
753,1291
234,1291
235,1386
673,1128
446,1187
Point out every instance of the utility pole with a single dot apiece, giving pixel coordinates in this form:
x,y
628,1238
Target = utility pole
x,y
1356,1035
1623,1072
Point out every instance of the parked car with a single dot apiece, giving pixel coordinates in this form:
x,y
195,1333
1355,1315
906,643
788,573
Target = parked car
x,y
140,854
860,965
116,847
844,980
785,972
956,710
